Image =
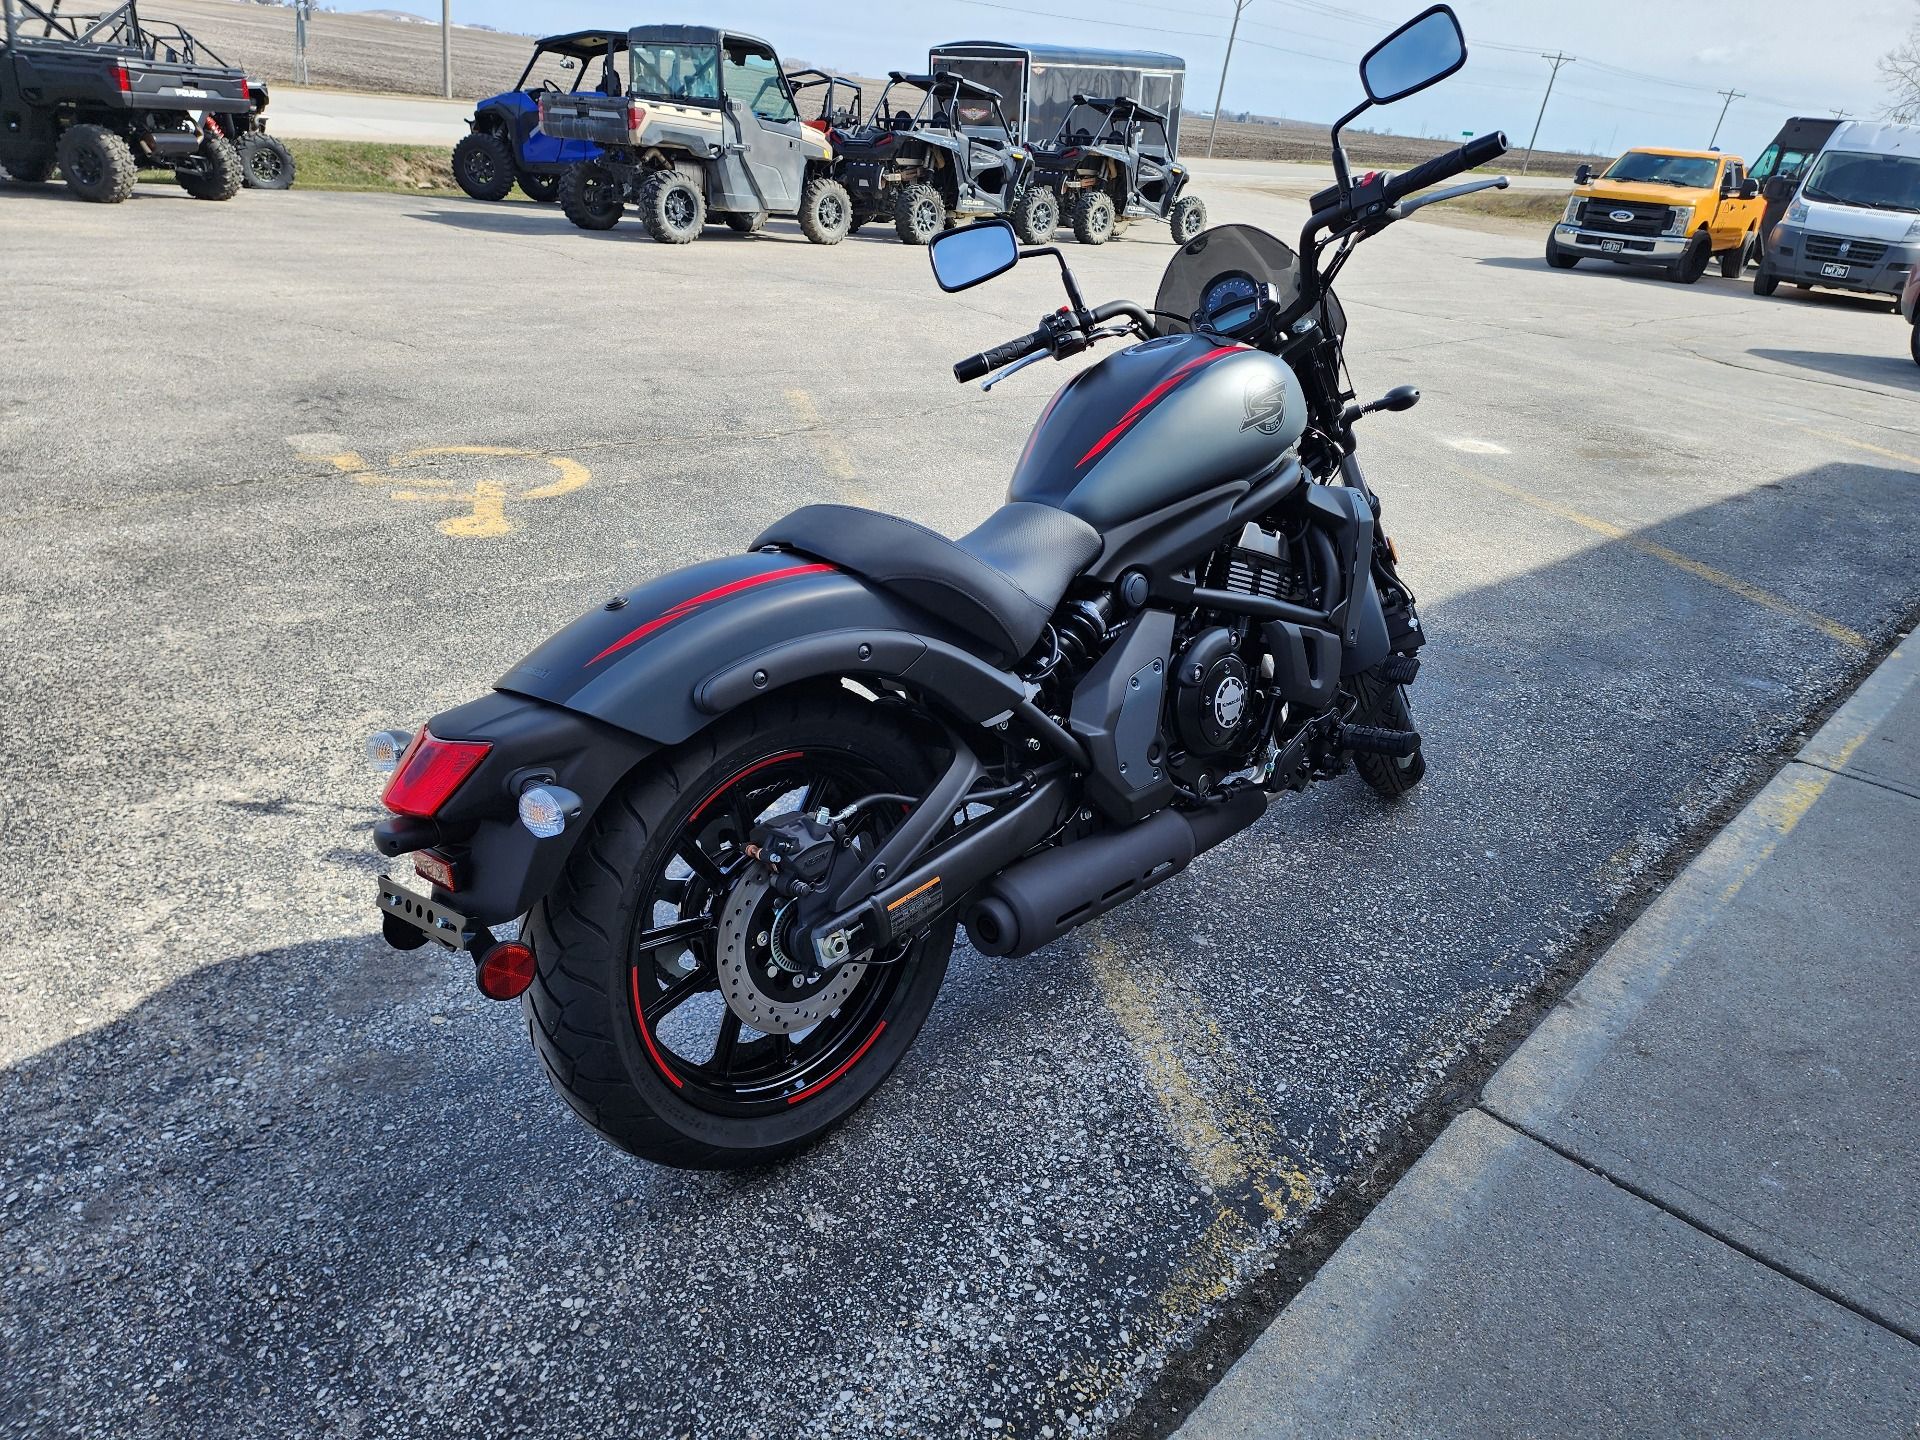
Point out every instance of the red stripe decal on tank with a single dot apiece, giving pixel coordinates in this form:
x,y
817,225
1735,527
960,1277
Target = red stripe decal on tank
x,y
687,607
1148,400
841,1069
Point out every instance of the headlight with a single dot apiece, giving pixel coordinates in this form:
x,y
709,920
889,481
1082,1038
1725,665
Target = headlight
x,y
1797,212
1680,219
1913,230
1573,209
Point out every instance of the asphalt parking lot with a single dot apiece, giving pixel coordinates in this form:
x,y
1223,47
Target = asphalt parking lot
x,y
278,473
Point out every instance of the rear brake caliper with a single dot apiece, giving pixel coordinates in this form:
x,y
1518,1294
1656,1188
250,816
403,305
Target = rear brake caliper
x,y
807,858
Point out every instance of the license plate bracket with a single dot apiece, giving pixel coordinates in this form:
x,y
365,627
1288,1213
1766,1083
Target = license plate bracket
x,y
409,921
1835,272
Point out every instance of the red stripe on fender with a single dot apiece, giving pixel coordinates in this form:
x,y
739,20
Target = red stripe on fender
x,y
1146,401
640,1019
844,1066
701,808
687,607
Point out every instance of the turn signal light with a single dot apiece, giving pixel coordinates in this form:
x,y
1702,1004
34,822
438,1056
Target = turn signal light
x,y
385,747
429,773
505,971
545,810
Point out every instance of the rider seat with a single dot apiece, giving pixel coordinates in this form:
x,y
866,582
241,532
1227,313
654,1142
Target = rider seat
x,y
1000,583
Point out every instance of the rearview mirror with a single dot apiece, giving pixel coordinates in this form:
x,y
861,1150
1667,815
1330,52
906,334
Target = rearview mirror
x,y
1426,49
963,258
1749,189
1583,176
568,65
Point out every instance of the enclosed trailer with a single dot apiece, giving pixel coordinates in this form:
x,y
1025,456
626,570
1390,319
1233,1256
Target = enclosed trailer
x,y
1037,83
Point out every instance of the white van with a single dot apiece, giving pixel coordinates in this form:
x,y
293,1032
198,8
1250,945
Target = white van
x,y
1854,223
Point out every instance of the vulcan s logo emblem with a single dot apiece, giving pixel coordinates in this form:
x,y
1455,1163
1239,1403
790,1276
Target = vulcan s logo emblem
x,y
1266,406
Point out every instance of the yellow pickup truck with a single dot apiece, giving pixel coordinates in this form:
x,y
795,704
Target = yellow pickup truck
x,y
1677,209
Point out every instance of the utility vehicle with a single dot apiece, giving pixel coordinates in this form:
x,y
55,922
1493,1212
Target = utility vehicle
x,y
99,99
1111,162
507,146
952,155
1677,209
743,806
1854,220
839,107
707,126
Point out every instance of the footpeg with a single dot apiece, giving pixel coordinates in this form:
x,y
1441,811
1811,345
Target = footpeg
x,y
1400,669
1378,740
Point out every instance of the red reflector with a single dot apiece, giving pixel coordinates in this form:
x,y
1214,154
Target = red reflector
x,y
432,865
120,78
505,971
636,117
429,773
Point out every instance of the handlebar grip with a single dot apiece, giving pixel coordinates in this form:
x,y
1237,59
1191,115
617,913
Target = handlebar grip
x,y
1444,167
974,366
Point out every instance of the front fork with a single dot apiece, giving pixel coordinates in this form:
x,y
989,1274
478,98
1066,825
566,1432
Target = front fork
x,y
1404,633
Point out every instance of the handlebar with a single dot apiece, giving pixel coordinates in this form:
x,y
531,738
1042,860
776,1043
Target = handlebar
x,y
1065,333
1469,156
974,366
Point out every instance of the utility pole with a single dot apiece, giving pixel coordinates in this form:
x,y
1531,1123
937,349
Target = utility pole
x,y
302,10
1233,30
1556,60
1732,95
446,48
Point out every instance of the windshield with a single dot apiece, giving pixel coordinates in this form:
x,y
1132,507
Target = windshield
x,y
689,73
1873,182
1691,172
1214,267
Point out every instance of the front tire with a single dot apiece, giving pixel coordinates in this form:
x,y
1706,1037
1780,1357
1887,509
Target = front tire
x,y
1765,282
1913,339
590,196
1188,219
1693,264
265,163
222,179
1384,704
919,214
635,1031
36,170
826,211
1093,218
544,188
1560,259
483,166
672,209
1036,215
96,164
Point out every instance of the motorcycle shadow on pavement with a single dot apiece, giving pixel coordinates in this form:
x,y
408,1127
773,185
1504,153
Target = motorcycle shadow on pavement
x,y
307,1184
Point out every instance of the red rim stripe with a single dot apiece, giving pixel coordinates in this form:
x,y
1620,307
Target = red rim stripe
x,y
646,1035
687,607
701,808
1146,401
844,1066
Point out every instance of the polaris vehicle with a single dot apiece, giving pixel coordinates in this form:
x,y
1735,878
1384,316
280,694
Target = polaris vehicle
x,y
743,807
100,99
953,154
707,127
1112,162
265,162
507,146
838,111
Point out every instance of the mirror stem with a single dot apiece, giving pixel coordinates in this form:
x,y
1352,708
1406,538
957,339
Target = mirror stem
x,y
1066,277
1340,172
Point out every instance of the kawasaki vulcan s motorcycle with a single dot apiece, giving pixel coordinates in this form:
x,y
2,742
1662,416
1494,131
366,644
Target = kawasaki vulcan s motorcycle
x,y
743,807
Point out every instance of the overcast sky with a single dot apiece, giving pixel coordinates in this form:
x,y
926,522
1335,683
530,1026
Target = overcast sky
x,y
1296,57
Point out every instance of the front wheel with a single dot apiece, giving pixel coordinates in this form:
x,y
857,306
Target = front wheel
x,y
483,166
265,163
919,214
1093,218
1765,282
590,196
661,1009
1913,339
544,187
1384,704
30,170
826,212
1560,259
1693,263
1036,215
1189,218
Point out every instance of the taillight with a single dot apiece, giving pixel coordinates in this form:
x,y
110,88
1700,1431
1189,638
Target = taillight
x,y
505,971
122,79
636,117
429,773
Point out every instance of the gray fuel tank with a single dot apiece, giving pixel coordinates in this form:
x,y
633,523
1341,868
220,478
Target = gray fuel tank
x,y
1156,423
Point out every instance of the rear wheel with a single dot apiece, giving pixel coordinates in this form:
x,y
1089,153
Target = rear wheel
x,y
1733,263
483,167
265,163
654,946
1560,259
826,212
590,196
96,164
545,187
1036,215
32,171
745,223
1188,219
672,209
219,176
1913,339
1093,218
919,214
1384,704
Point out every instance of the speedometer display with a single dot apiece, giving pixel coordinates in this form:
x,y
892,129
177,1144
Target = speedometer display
x,y
1228,303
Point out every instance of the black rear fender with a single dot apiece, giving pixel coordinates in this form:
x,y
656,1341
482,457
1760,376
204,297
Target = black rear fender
x,y
664,661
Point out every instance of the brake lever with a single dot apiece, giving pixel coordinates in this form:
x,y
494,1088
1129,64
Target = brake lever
x,y
1013,369
1412,203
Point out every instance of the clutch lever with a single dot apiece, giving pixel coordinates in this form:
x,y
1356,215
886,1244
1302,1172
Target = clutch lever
x,y
1434,197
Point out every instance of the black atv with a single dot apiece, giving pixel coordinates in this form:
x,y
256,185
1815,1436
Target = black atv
x,y
100,99
838,112
952,155
1115,165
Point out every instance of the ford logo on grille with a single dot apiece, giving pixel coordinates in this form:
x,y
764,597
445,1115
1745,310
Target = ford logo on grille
x,y
1620,217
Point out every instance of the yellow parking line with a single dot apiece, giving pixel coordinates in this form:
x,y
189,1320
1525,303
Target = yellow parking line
x,y
1865,445
1831,628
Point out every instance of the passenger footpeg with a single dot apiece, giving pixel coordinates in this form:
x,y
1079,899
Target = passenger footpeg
x,y
1378,740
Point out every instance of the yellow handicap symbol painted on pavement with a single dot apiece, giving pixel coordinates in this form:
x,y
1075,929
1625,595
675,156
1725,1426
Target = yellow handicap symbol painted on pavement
x,y
409,477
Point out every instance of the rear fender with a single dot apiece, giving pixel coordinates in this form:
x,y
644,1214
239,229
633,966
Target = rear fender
x,y
665,660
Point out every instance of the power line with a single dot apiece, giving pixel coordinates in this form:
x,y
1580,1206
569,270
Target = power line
x,y
1556,60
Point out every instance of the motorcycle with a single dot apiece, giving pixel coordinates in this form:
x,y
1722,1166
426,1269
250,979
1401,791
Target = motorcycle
x,y
743,807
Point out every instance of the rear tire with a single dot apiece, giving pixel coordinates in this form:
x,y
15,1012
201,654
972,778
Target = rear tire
x,y
590,196
96,164
919,214
1559,259
826,211
1913,340
671,209
544,187
35,171
1036,215
1385,705
1188,219
483,166
745,224
1733,263
660,1090
265,163
222,179
1093,218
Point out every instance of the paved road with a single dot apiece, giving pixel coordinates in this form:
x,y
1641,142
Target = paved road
x,y
300,113
315,465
